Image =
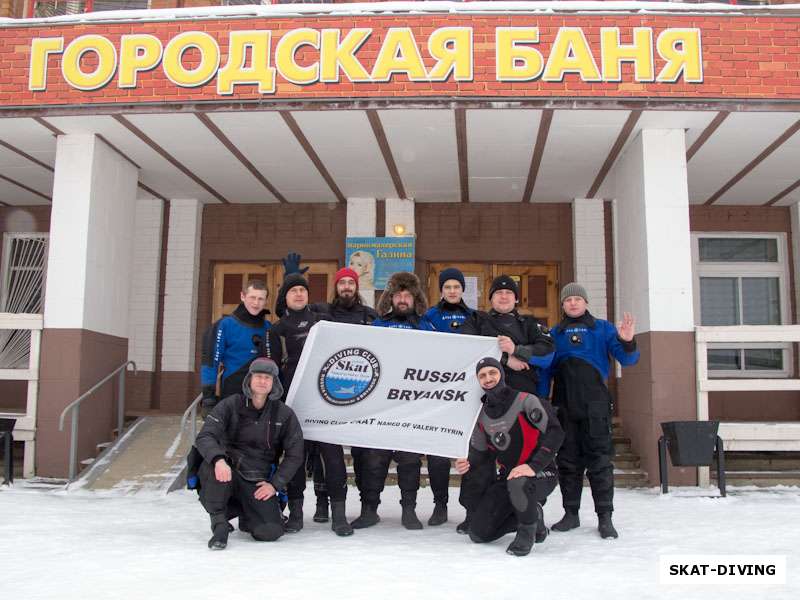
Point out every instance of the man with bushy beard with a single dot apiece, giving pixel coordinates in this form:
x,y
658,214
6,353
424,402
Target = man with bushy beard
x,y
521,434
347,306
287,338
402,306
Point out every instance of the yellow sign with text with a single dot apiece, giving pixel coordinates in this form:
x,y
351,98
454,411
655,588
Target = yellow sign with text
x,y
329,55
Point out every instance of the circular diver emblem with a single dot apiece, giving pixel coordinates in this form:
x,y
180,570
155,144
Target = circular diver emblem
x,y
349,376
501,440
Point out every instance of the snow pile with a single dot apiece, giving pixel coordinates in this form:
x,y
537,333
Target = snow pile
x,y
372,8
82,545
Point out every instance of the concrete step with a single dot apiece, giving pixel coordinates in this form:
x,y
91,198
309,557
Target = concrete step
x,y
762,461
760,478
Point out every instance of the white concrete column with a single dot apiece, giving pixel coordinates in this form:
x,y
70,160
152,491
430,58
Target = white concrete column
x,y
400,211
362,214
589,249
143,311
180,285
654,259
91,239
795,223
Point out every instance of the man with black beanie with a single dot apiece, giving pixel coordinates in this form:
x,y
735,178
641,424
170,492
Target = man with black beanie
x,y
526,345
521,434
447,316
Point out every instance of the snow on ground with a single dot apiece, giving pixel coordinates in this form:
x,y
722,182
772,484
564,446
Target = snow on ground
x,y
86,545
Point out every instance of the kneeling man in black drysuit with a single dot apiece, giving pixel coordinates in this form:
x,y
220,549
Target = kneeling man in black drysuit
x,y
241,442
522,434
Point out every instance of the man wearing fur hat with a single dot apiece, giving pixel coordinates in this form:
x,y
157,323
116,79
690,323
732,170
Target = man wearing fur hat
x,y
402,306
240,443
521,434
287,339
580,370
347,306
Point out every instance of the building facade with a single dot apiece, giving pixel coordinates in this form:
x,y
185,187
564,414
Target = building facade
x,y
152,161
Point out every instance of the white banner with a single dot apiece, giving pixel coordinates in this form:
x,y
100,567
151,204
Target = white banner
x,y
396,389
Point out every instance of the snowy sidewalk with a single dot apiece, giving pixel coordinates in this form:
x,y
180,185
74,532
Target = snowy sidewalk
x,y
86,545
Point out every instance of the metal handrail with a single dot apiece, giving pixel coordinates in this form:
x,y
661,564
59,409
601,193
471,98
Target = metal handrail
x,y
190,414
74,406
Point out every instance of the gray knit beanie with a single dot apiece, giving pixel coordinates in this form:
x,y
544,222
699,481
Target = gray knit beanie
x,y
573,289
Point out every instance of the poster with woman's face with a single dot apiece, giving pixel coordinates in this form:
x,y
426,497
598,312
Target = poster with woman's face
x,y
375,259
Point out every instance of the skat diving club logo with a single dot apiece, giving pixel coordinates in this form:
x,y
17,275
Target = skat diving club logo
x,y
349,376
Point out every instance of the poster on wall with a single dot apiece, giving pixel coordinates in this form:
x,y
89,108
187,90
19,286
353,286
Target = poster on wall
x,y
376,258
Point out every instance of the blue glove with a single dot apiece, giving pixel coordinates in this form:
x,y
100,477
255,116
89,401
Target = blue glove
x,y
291,264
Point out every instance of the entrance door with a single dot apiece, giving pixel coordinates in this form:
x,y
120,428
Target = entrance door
x,y
538,286
230,278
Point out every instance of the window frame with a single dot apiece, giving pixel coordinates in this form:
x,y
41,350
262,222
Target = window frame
x,y
5,266
741,270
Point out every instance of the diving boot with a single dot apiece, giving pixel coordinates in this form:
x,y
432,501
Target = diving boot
x,y
339,524
409,517
368,518
463,527
541,529
569,521
295,522
321,514
220,529
606,527
439,516
523,542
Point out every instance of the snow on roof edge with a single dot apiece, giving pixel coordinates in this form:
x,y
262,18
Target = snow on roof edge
x,y
389,8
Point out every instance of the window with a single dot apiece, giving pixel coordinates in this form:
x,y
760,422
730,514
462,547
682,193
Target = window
x,y
21,291
741,279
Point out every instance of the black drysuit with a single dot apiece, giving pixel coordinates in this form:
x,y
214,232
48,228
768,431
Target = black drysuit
x,y
353,314
513,428
287,339
533,343
251,442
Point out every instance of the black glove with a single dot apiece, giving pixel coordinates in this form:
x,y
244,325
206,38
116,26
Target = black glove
x,y
291,264
209,400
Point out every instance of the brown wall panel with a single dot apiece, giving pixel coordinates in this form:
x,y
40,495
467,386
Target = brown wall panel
x,y
138,389
73,360
502,232
264,232
661,387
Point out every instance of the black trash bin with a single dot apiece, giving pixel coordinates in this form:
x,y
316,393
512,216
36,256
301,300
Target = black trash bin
x,y
7,442
691,444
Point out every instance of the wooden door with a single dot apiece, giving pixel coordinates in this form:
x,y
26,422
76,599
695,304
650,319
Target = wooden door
x,y
478,277
229,278
538,286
